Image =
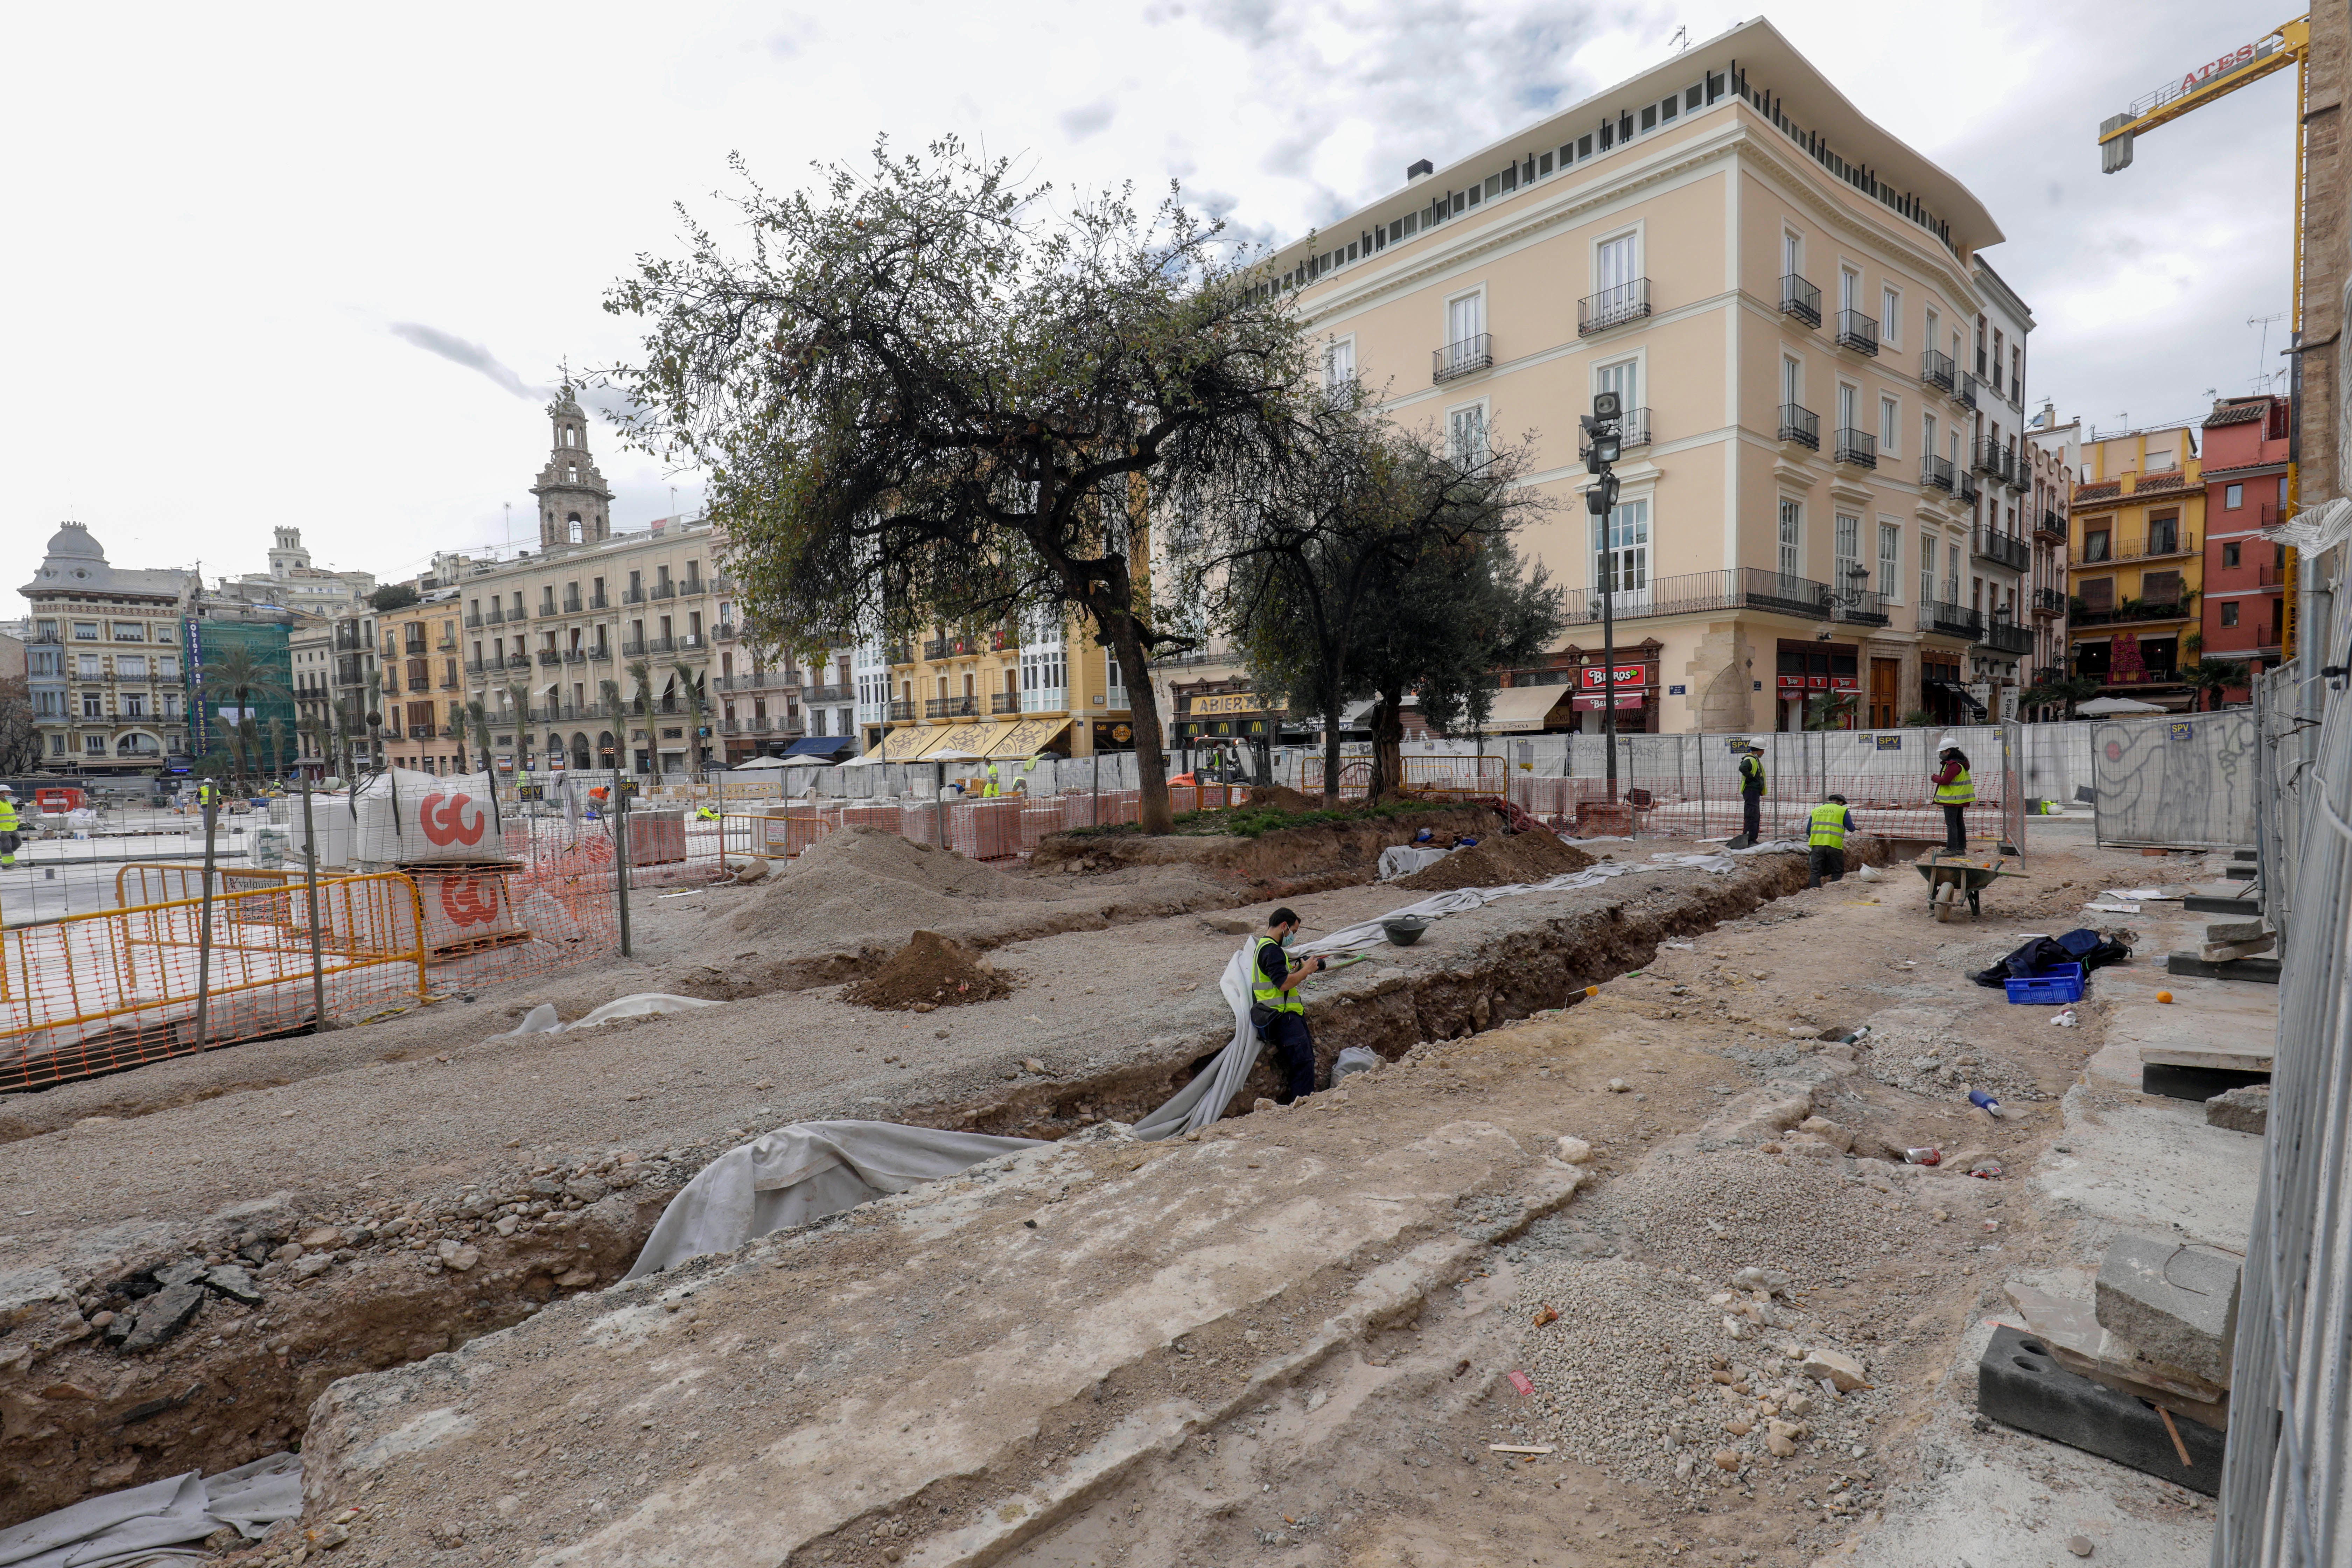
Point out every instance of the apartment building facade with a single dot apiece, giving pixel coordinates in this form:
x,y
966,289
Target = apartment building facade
x,y
423,699
2053,453
2240,616
2000,553
310,655
2137,563
105,665
1037,683
1781,294
293,582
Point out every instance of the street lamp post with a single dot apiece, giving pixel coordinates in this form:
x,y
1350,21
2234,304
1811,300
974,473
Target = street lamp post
x,y
1599,460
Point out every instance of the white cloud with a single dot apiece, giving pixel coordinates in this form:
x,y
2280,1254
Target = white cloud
x,y
218,218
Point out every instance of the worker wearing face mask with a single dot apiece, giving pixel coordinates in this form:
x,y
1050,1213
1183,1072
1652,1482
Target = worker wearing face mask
x,y
1277,1009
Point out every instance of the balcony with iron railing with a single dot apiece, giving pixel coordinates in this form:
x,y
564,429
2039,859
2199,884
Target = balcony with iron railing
x,y
1949,619
663,645
497,616
1801,299
1801,426
902,711
691,642
815,694
692,587
2049,602
2157,546
547,611
951,708
549,656
420,731
1988,456
1613,307
575,656
1936,369
633,650
1857,332
1966,395
723,632
2000,549
665,590
599,601
2050,529
2132,612
518,661
474,666
1633,430
1966,489
1860,605
571,605
1859,447
2007,636
1474,352
1936,473
1003,702
633,595
2048,674
474,621
1697,593
601,653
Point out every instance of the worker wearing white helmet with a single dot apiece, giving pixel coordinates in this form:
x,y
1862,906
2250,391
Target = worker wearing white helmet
x,y
1954,792
1751,793
8,840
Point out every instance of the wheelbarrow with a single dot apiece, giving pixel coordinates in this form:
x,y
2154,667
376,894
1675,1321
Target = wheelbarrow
x,y
1948,877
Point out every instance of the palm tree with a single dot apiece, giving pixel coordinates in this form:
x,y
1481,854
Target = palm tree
x,y
480,714
246,677
610,691
518,699
690,681
641,673
2210,676
2069,689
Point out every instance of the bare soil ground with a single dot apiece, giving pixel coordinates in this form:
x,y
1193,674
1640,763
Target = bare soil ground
x,y
1654,1388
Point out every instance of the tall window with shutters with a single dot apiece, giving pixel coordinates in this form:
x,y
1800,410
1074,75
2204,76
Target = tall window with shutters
x,y
1621,551
1465,433
1465,318
1890,553
1791,555
1849,555
1617,264
1927,568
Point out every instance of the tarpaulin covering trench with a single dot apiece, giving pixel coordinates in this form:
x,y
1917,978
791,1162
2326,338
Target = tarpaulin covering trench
x,y
803,1172
162,1521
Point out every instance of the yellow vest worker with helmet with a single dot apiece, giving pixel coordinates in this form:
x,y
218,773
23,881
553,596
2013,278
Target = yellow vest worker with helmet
x,y
991,791
8,840
1825,841
1954,792
1277,1009
1751,797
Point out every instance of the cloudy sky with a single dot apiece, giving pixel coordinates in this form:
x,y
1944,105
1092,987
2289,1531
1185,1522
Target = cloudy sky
x,y
316,265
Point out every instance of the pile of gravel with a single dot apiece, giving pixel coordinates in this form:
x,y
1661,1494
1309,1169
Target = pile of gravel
x,y
1940,1068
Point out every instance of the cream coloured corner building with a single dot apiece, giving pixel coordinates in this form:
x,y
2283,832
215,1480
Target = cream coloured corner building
x,y
1783,296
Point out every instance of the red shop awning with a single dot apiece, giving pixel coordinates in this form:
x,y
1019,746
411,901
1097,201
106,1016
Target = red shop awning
x,y
1624,700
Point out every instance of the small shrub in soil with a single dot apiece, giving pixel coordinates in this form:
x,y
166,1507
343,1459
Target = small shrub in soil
x,y
930,971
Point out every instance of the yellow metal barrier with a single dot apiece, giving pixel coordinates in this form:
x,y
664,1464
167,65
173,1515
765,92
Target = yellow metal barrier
x,y
168,881
96,992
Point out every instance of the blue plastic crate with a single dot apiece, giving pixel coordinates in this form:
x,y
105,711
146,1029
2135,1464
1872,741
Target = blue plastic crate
x,y
2064,983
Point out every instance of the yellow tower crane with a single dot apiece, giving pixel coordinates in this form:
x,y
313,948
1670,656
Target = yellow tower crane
x,y
2286,45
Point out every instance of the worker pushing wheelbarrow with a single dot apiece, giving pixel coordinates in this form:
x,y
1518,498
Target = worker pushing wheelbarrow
x,y
1951,872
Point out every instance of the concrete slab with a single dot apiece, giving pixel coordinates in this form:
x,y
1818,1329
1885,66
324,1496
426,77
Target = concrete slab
x,y
2194,1022
2175,1304
1021,1337
2154,1166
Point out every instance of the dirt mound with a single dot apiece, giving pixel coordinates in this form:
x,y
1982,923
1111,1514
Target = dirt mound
x,y
929,971
1505,858
862,879
1281,797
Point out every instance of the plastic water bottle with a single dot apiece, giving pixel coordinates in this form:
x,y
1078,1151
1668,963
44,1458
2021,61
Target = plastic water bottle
x,y
1985,1102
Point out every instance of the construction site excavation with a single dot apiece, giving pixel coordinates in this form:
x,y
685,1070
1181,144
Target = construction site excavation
x,y
887,1205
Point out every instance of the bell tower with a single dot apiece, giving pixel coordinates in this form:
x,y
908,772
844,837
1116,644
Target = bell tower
x,y
574,506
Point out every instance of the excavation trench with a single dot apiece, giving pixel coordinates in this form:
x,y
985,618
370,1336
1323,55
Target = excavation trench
x,y
400,1281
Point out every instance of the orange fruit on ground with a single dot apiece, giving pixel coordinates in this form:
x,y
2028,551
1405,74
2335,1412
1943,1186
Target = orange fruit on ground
x,y
2164,995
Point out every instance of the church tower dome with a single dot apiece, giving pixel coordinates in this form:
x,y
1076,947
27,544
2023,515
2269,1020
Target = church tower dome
x,y
574,506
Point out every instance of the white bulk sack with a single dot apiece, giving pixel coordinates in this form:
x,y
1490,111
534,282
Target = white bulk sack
x,y
414,818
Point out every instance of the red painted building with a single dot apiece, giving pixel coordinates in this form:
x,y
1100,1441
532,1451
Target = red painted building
x,y
2245,481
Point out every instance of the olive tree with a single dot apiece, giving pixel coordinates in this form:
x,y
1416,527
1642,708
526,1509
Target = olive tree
x,y
926,390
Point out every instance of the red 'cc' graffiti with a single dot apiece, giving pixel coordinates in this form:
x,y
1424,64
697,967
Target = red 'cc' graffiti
x,y
469,900
447,824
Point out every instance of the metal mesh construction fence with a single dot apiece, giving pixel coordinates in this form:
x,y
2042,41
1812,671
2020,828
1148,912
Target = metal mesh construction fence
x,y
95,993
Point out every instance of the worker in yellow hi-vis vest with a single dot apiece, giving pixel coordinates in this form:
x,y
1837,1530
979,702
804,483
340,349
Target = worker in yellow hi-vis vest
x,y
8,839
1825,841
1954,792
991,791
1751,795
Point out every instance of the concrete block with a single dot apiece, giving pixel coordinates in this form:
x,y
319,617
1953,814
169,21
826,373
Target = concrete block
x,y
2263,971
2239,873
2175,1304
2199,1084
2243,1109
2237,930
2019,1384
2227,952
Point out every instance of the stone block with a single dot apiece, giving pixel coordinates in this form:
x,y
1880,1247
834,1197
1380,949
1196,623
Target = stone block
x,y
2243,1109
2230,952
1843,1370
2019,1384
163,1314
2237,930
2175,1304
